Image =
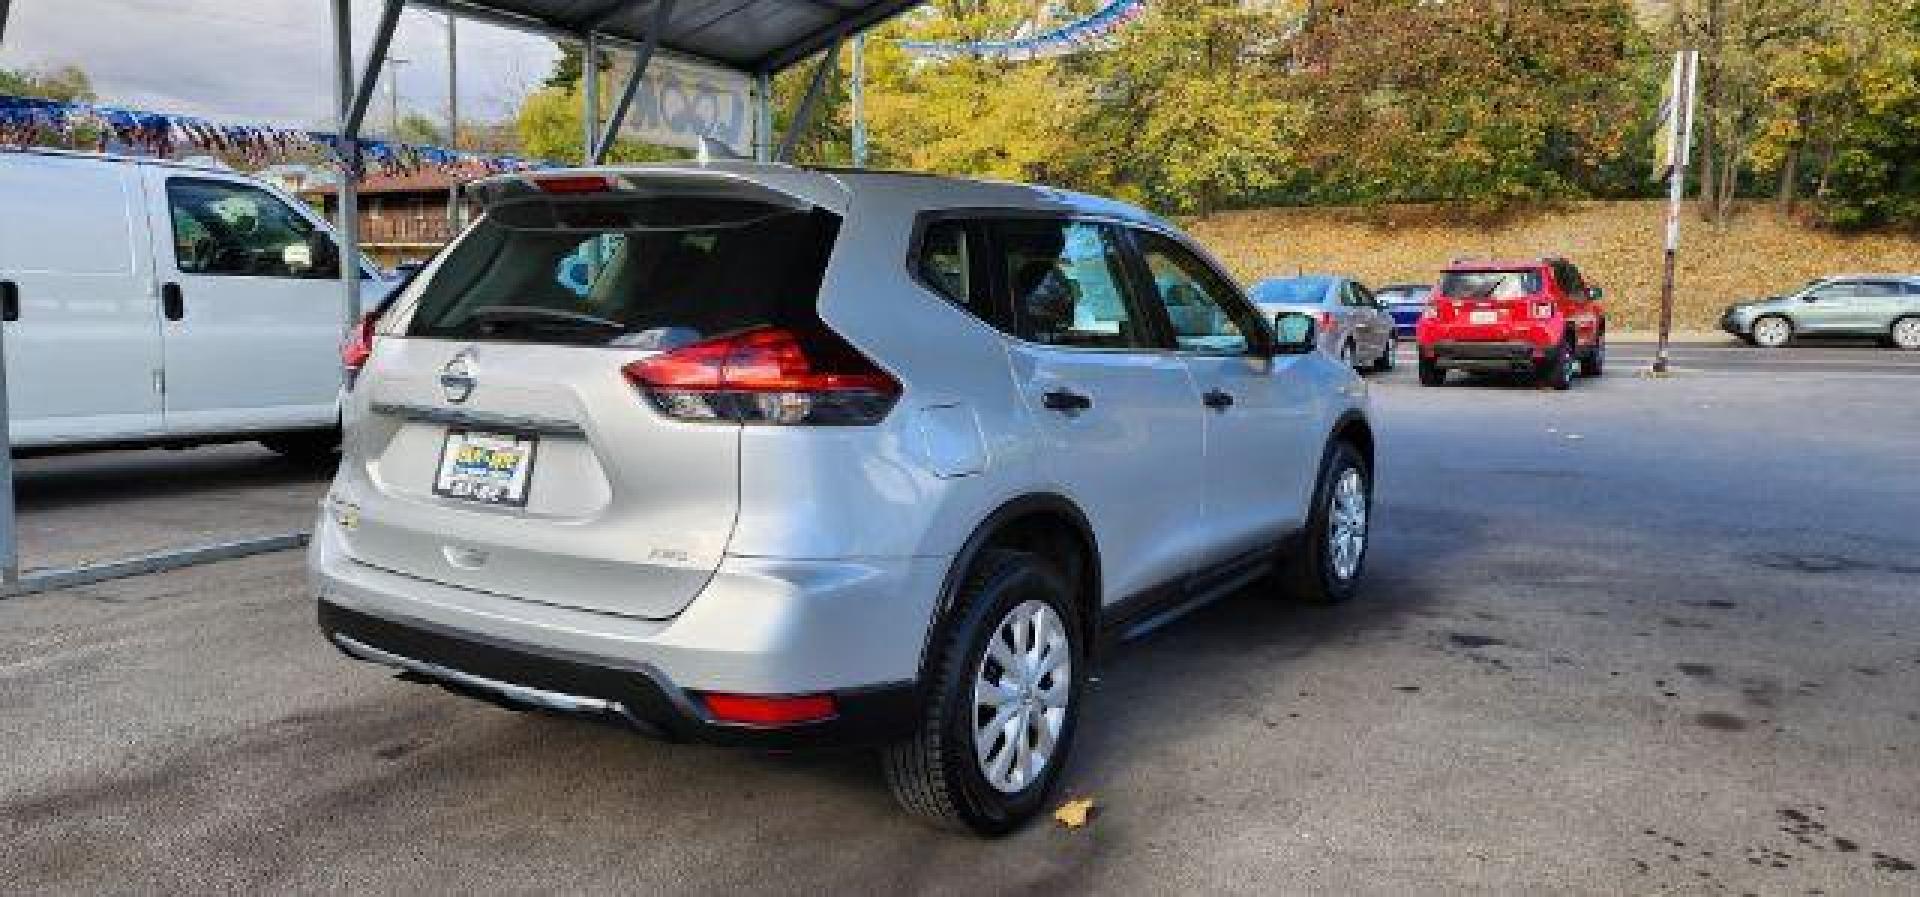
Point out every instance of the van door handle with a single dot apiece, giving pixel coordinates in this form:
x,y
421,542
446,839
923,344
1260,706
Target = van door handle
x,y
1065,400
172,304
9,300
1215,398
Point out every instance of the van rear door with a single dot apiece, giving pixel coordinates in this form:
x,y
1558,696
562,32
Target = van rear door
x,y
82,330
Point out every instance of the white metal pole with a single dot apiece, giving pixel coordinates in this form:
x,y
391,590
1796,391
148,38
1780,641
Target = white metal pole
x,y
348,223
5,7
453,120
1686,65
9,544
763,117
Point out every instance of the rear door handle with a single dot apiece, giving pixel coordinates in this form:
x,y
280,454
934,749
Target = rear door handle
x,y
1215,398
1065,400
9,300
172,303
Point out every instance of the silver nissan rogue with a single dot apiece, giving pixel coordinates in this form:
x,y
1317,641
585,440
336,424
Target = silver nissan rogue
x,y
774,456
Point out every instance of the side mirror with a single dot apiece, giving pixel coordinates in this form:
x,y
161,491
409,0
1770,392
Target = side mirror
x,y
1595,293
323,255
1293,333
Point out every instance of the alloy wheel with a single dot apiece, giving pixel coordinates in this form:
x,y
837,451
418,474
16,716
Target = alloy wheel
x,y
1772,332
1347,524
1906,333
1020,693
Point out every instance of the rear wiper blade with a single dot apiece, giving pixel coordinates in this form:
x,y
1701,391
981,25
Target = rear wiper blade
x,y
534,314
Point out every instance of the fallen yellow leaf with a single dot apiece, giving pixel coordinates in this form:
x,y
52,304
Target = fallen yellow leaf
x,y
1075,813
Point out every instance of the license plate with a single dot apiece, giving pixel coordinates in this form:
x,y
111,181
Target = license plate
x,y
488,468
1483,316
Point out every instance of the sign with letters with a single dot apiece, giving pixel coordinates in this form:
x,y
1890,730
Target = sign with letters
x,y
681,101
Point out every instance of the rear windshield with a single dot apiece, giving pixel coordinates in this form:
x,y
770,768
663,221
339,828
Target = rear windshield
x,y
1292,289
646,274
1402,295
1490,284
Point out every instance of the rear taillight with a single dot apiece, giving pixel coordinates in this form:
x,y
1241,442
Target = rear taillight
x,y
358,347
1326,322
768,375
1543,310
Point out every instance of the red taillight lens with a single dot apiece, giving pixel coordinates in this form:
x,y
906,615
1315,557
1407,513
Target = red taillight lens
x,y
574,183
769,375
358,346
1543,310
762,710
1326,321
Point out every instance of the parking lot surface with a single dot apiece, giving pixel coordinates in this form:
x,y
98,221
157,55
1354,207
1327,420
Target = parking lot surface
x,y
1643,636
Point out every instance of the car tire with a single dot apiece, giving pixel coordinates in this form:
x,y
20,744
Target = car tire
x,y
1347,352
1559,367
1432,374
316,448
1315,569
1594,363
937,774
1386,360
1771,331
1905,333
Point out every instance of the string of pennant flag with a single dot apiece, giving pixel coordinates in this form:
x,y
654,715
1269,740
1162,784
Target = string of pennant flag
x,y
29,121
1079,36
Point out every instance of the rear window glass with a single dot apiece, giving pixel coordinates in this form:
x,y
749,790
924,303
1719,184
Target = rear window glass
x,y
1403,295
648,274
1292,289
1490,284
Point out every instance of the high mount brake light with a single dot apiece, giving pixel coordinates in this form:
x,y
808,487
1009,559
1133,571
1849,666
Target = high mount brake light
x,y
768,375
573,183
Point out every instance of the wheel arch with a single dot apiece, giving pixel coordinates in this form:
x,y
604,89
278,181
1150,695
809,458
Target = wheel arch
x,y
1353,428
1045,523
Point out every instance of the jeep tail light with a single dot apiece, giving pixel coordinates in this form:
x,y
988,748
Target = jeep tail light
x,y
358,347
768,375
1543,310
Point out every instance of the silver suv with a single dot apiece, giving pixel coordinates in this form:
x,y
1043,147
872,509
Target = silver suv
x,y
772,456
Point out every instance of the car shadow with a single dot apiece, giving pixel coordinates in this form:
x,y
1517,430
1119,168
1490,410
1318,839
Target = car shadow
x,y
59,482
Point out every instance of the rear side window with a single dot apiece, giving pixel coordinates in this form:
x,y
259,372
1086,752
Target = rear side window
x,y
636,273
64,216
1066,282
1490,284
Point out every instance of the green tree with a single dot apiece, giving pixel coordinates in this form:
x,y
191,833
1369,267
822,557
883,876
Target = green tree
x,y
68,84
417,128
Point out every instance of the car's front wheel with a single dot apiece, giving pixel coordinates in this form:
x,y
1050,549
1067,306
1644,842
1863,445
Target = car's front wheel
x,y
1002,698
1323,566
1772,332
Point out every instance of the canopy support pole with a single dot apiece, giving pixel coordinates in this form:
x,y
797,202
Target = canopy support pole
x,y
762,117
804,113
642,57
5,7
589,94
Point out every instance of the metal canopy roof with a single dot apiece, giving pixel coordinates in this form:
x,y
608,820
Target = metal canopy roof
x,y
749,35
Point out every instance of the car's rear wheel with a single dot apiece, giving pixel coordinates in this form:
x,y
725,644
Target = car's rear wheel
x,y
1772,332
1431,374
1905,333
1385,362
1594,363
1323,566
1347,353
1002,699
1561,366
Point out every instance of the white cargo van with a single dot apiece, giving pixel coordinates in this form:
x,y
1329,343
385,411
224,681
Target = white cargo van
x,y
149,303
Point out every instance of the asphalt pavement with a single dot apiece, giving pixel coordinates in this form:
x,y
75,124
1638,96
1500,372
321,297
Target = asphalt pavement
x,y
1649,635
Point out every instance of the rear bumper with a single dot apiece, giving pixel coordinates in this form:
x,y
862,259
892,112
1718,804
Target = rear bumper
x,y
1485,356
635,695
851,628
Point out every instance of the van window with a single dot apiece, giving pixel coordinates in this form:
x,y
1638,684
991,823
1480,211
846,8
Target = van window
x,y
224,228
1065,280
64,216
636,273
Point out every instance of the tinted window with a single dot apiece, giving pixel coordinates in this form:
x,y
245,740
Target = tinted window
x,y
225,228
1310,290
1206,314
1877,288
1490,284
1839,290
1066,284
946,261
1403,295
637,282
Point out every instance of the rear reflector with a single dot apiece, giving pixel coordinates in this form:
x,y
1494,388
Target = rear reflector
x,y
358,346
769,375
763,710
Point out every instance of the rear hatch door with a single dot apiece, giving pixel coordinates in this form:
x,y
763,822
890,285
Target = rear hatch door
x,y
499,446
1483,305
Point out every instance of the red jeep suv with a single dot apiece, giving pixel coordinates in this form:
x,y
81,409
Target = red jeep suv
x,y
1534,317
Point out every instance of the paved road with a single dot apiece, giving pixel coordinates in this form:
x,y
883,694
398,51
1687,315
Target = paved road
x,y
1644,636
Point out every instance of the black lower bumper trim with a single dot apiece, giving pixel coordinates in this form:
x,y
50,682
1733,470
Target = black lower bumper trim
x,y
1486,356
646,701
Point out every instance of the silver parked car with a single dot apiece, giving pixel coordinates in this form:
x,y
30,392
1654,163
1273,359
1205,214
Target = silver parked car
x,y
1354,325
1886,306
773,456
